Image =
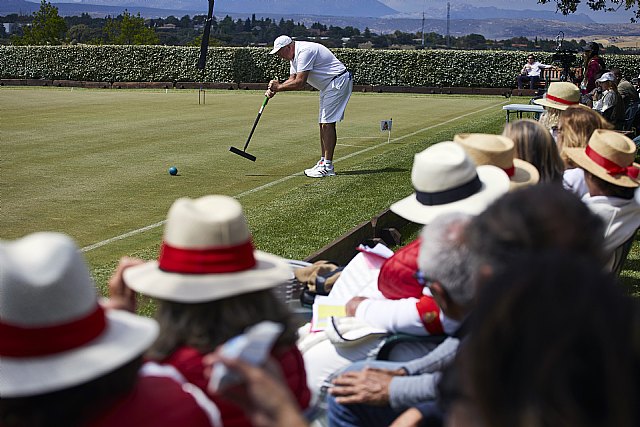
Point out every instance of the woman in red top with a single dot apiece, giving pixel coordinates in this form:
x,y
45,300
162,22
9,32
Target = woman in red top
x,y
594,66
211,284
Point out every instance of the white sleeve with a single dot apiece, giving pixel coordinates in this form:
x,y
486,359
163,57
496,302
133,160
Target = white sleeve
x,y
608,101
306,59
393,315
597,104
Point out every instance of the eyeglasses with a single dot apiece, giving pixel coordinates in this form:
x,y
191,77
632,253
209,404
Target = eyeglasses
x,y
422,279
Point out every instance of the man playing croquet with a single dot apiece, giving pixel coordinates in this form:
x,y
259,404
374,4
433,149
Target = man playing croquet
x,y
313,63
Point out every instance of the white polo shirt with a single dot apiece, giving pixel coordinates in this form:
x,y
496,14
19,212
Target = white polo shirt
x,y
319,61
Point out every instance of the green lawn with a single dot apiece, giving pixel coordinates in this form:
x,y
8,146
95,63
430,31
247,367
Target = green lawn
x,y
93,163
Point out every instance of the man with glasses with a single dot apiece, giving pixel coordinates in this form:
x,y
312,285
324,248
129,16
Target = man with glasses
x,y
376,392
521,223
530,73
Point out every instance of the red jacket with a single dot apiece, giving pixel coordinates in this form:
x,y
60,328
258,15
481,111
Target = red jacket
x,y
594,68
396,280
189,362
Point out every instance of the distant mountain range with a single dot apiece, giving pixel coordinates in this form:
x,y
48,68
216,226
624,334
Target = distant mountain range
x,y
155,8
491,22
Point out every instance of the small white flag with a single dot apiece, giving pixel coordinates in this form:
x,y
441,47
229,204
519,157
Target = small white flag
x,y
385,125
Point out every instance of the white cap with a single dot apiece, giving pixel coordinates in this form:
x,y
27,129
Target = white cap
x,y
607,77
280,42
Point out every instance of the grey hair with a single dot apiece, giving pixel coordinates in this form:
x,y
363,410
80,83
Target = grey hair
x,y
445,258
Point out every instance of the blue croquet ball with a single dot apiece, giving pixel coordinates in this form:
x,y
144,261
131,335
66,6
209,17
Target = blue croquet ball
x,y
173,170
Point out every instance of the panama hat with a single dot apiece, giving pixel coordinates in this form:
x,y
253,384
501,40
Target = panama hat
x,y
609,155
560,95
206,255
279,43
445,180
497,150
54,334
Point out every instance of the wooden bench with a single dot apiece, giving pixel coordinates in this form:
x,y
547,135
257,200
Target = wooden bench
x,y
550,75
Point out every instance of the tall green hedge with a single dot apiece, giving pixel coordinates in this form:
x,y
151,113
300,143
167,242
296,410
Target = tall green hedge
x,y
444,68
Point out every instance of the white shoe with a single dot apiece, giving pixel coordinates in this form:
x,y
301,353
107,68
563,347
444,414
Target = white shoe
x,y
320,164
320,172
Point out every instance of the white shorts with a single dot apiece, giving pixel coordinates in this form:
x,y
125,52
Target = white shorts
x,y
334,98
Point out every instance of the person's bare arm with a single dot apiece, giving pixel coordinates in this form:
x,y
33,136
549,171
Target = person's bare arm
x,y
409,418
294,82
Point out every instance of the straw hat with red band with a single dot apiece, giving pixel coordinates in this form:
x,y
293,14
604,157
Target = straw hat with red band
x,y
497,150
445,180
610,156
560,95
207,255
53,333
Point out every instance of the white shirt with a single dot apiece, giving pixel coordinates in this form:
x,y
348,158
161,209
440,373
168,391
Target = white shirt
x,y
533,70
606,101
573,180
399,316
621,218
319,61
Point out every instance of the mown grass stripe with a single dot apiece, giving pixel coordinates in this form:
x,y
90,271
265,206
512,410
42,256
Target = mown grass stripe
x,y
286,178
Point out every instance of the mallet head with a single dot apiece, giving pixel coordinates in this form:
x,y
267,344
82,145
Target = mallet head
x,y
242,153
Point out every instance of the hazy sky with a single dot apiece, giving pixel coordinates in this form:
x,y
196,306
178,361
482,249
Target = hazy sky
x,y
410,6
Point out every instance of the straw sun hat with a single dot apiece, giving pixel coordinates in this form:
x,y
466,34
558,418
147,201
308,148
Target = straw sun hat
x,y
610,156
497,150
207,255
560,95
445,180
53,333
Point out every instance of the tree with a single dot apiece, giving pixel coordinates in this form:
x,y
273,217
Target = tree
x,y
570,6
185,22
128,29
47,27
80,33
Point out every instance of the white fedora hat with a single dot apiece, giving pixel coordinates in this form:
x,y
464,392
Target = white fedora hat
x,y
498,150
207,255
53,333
610,156
445,179
280,42
560,95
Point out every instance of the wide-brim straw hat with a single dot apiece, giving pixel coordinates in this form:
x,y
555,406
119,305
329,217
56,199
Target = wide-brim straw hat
x,y
610,156
207,255
498,150
560,95
53,333
446,180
